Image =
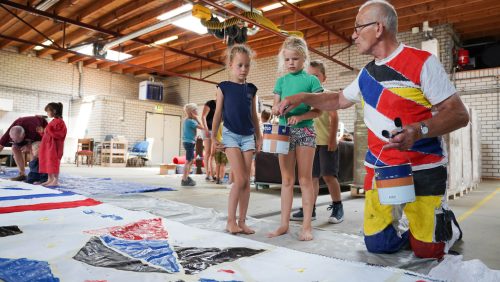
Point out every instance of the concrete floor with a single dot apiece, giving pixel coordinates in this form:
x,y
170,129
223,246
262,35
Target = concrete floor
x,y
478,212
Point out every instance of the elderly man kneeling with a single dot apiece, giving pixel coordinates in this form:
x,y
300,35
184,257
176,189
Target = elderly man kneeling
x,y
19,136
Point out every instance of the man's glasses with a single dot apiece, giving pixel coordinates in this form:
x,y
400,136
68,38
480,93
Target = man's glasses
x,y
359,28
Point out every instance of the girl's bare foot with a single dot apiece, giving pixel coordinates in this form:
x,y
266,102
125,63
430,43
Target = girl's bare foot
x,y
50,183
245,229
45,183
306,234
280,231
233,228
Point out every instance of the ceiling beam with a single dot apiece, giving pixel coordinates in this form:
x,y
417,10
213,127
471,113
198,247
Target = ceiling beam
x,y
87,11
268,48
95,28
104,21
315,21
164,72
341,9
270,30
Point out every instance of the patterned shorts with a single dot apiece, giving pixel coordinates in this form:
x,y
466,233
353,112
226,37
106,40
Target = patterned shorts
x,y
302,137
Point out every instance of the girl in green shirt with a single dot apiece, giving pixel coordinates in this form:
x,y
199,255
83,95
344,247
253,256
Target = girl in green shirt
x,y
292,58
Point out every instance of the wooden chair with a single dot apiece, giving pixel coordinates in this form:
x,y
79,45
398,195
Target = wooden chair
x,y
85,149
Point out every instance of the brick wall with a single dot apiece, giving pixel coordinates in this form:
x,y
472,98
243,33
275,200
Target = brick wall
x,y
480,89
105,103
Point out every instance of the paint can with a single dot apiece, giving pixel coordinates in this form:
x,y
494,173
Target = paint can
x,y
276,138
395,184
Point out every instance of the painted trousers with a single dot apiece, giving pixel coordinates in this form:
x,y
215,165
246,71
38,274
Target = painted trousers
x,y
432,225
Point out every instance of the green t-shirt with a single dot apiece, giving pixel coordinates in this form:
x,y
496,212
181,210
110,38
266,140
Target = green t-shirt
x,y
294,83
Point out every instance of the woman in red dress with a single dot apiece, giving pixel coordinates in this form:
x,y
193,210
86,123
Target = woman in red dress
x,y
52,146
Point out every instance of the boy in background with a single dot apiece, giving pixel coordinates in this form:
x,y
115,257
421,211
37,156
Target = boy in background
x,y
34,177
220,159
190,124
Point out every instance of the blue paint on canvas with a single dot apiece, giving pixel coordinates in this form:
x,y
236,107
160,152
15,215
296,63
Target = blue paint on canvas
x,y
156,252
20,270
94,185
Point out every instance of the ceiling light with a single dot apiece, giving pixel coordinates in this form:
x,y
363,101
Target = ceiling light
x,y
175,12
191,23
46,43
165,40
188,22
110,54
117,56
277,5
43,6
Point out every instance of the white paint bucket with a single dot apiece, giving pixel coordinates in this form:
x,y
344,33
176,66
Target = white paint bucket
x,y
276,138
395,184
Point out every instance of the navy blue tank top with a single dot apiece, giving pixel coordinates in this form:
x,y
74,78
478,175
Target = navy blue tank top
x,y
237,108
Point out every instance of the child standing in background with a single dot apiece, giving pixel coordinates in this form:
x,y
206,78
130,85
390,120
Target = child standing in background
x,y
52,145
34,177
265,116
236,103
191,123
220,158
292,58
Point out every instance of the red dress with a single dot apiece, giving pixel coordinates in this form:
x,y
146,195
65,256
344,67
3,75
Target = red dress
x,y
52,146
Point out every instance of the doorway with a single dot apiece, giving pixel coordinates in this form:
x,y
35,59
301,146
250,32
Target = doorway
x,y
166,131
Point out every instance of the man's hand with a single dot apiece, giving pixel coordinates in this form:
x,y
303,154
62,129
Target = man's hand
x,y
290,103
405,139
294,120
275,110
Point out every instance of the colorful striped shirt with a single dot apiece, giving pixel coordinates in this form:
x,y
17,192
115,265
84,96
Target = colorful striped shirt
x,y
406,84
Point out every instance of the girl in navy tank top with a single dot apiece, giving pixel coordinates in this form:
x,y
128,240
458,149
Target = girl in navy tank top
x,y
236,103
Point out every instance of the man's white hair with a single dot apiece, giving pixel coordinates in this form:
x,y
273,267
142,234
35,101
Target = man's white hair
x,y
16,132
387,16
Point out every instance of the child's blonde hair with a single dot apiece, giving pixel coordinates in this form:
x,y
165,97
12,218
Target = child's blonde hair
x,y
238,48
190,108
296,44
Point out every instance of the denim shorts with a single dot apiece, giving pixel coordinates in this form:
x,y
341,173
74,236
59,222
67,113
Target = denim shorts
x,y
233,140
189,147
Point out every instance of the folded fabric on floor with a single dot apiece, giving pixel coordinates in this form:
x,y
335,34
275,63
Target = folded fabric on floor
x,y
38,198
73,242
95,185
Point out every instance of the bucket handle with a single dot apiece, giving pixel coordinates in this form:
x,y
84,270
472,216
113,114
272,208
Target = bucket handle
x,y
378,157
